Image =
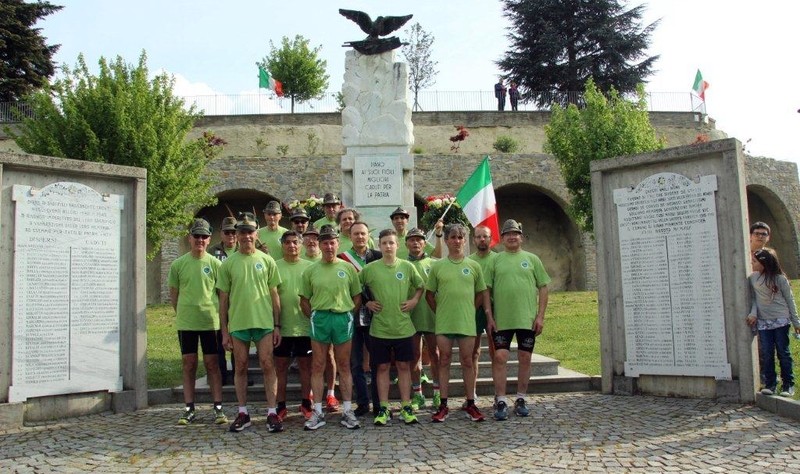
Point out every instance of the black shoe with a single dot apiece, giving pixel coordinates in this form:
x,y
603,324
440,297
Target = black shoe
x,y
361,410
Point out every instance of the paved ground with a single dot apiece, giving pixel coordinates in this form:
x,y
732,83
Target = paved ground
x,y
566,432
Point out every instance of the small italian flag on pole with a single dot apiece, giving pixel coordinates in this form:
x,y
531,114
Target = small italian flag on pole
x,y
477,200
700,86
266,81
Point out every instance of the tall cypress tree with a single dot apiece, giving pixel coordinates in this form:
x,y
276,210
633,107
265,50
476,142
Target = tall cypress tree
x,y
26,61
556,45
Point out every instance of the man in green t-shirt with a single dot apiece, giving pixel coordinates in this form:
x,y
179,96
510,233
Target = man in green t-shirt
x,y
226,246
481,237
311,250
329,295
399,218
331,205
295,326
519,285
250,311
299,220
270,234
455,286
396,287
192,289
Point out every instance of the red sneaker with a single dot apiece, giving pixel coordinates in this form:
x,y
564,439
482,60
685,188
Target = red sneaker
x,y
282,412
441,414
473,413
332,403
306,411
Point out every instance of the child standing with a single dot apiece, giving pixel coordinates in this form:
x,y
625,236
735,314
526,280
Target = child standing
x,y
772,311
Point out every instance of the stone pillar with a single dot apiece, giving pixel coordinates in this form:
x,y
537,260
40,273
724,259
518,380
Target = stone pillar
x,y
377,168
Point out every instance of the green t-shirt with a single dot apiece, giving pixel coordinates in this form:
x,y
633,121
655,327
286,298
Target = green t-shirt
x,y
324,221
455,285
485,263
331,286
195,279
402,250
293,322
516,279
391,285
248,279
422,316
311,259
272,239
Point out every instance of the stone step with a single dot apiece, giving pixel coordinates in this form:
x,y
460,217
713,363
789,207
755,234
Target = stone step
x,y
564,381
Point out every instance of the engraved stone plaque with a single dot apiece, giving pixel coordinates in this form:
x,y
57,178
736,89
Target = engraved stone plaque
x,y
66,291
377,181
671,277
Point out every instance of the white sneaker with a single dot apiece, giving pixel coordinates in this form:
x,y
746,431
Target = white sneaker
x,y
350,421
316,421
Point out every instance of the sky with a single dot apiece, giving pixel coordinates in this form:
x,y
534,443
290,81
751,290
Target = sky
x,y
743,49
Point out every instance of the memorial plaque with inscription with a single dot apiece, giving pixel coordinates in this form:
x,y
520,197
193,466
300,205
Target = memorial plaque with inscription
x,y
66,291
671,283
377,181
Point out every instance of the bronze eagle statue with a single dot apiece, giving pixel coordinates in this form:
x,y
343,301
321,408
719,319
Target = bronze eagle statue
x,y
382,26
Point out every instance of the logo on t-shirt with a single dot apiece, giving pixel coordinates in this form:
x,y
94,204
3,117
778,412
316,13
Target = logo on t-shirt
x,y
259,266
207,270
341,274
427,271
399,275
465,271
524,264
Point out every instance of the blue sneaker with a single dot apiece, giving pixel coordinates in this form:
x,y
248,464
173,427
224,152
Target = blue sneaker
x,y
501,411
520,409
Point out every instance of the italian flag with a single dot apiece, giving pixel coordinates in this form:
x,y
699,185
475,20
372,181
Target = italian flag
x,y
268,82
477,200
700,86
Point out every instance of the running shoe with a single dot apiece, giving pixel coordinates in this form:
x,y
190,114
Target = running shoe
x,y
520,409
407,414
282,412
384,415
219,416
306,411
418,401
441,414
274,423
241,422
787,391
188,417
501,411
768,390
437,399
473,413
362,409
350,421
332,404
316,421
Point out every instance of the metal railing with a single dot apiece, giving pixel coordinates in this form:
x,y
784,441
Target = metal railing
x,y
428,101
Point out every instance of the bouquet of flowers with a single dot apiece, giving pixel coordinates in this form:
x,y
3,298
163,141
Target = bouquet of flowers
x,y
312,206
436,205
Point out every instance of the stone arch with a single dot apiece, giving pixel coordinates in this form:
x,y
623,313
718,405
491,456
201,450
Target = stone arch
x,y
765,205
549,232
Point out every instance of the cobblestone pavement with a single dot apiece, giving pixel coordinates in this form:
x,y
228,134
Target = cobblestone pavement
x,y
565,432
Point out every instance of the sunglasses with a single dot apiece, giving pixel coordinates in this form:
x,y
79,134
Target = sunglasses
x,y
201,237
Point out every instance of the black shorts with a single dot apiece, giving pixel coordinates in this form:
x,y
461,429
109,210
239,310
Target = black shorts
x,y
210,341
298,346
526,338
380,350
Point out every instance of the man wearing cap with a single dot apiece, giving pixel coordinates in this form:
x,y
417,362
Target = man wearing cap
x,y
311,250
331,204
423,320
250,311
519,285
399,219
270,234
455,286
359,255
299,220
221,251
482,237
295,326
192,289
329,294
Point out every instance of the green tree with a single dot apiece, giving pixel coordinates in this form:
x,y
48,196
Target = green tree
x,y
122,117
603,128
556,45
299,69
421,68
25,59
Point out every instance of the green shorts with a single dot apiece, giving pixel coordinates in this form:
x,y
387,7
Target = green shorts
x,y
248,335
328,327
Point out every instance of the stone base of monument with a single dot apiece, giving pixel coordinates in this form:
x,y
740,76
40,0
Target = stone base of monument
x,y
11,415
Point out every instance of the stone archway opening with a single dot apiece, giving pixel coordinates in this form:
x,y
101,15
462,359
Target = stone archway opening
x,y
764,205
549,233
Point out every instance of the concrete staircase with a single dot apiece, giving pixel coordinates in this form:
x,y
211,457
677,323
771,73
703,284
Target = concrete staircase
x,y
546,377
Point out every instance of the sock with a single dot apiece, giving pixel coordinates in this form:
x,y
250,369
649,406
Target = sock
x,y
520,395
281,405
318,407
243,410
435,387
190,406
406,403
272,411
470,402
330,393
306,403
218,405
502,399
347,405
444,402
417,387
384,404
